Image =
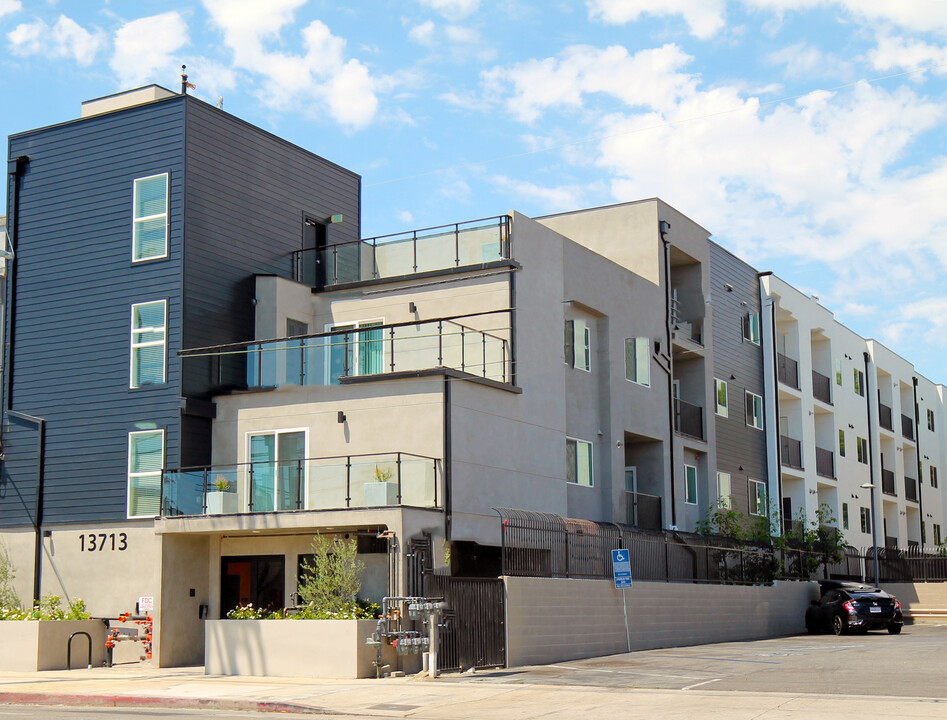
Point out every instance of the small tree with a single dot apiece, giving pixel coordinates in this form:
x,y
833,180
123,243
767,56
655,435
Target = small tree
x,y
334,577
8,595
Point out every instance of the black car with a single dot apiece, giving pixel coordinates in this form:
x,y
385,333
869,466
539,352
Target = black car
x,y
853,608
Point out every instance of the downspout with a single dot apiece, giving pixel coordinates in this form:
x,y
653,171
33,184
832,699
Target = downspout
x,y
448,517
871,469
20,164
774,431
663,228
917,445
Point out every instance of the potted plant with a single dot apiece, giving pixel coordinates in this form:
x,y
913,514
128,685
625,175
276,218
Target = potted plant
x,y
221,497
383,491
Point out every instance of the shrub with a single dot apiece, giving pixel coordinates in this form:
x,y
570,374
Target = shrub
x,y
334,578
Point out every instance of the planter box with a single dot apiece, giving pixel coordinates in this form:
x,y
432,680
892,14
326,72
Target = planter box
x,y
291,648
32,645
221,503
378,494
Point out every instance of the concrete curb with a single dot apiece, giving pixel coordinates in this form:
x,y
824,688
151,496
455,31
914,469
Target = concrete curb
x,y
76,699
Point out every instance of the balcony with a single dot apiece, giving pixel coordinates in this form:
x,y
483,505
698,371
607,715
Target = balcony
x,y
884,417
910,489
429,250
825,462
907,427
790,452
643,511
887,482
787,370
689,419
329,483
821,387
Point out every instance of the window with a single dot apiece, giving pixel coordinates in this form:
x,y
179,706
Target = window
x,y
578,344
631,479
149,343
724,494
859,382
638,360
751,328
838,372
862,444
841,443
150,233
754,410
279,473
844,516
936,534
721,397
579,462
690,484
933,477
865,520
930,420
361,351
145,460
757,497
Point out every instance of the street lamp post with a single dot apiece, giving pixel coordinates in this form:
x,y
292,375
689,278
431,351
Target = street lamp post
x,y
870,487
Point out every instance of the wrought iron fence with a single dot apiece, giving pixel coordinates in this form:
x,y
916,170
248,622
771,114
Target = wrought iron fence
x,y
787,371
821,387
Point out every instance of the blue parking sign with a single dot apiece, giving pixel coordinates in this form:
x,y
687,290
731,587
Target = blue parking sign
x,y
621,568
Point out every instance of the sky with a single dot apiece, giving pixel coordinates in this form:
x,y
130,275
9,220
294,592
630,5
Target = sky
x,y
808,136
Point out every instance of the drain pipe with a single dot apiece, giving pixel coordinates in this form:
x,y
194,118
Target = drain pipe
x,y
17,170
664,227
917,446
871,471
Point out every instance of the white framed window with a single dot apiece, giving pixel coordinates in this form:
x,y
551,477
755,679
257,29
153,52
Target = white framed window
x,y
757,497
638,360
751,328
150,218
930,420
862,444
865,520
579,462
838,371
145,462
359,351
754,410
724,492
631,479
578,344
690,484
859,382
277,459
936,534
841,443
720,400
933,476
844,516
149,343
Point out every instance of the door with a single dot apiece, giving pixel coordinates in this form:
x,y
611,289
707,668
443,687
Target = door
x,y
277,460
256,579
312,270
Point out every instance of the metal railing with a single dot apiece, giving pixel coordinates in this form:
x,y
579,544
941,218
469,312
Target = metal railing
x,y
907,427
443,247
914,564
643,511
887,482
327,483
690,329
787,370
884,417
790,452
821,387
689,419
327,358
910,488
824,462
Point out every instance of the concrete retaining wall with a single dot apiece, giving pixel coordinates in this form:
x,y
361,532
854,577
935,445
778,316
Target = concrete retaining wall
x,y
920,601
31,645
552,620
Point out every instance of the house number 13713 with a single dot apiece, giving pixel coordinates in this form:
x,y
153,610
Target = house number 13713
x,y
103,541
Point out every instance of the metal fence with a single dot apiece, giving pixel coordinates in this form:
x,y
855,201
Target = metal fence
x,y
474,634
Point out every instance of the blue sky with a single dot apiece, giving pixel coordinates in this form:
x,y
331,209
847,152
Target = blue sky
x,y
807,135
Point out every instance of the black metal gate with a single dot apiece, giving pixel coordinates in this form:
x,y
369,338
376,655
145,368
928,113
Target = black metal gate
x,y
474,635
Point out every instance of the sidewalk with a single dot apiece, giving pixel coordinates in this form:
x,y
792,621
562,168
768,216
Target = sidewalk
x,y
453,697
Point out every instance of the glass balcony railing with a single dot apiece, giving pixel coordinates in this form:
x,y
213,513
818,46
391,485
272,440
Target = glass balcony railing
x,y
332,483
389,256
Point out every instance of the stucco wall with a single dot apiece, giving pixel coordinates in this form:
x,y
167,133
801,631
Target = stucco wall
x,y
920,601
29,646
552,620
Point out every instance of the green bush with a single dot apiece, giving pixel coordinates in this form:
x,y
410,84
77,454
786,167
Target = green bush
x,y
48,608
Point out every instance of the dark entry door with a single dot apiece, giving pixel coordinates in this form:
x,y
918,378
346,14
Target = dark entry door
x,y
256,579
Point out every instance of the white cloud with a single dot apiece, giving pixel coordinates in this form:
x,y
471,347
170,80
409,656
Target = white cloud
x,y
320,77
548,198
452,9
8,7
65,39
898,53
144,49
422,34
705,18
804,60
405,217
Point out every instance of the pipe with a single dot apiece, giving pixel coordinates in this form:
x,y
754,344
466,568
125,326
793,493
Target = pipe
x,y
448,517
871,471
917,445
663,228
20,165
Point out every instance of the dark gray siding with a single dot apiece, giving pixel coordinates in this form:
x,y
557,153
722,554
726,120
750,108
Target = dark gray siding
x,y
75,284
248,192
737,445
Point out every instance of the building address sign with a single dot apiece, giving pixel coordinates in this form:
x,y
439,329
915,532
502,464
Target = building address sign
x,y
93,542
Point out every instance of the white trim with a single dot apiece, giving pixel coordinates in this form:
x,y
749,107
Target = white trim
x,y
145,218
725,500
130,474
591,462
582,344
642,346
276,432
695,501
721,410
633,469
354,325
761,426
133,345
754,497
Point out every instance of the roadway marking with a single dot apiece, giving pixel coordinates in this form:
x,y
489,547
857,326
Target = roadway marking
x,y
705,682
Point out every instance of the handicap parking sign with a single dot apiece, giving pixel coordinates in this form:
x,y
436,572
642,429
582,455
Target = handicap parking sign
x,y
621,568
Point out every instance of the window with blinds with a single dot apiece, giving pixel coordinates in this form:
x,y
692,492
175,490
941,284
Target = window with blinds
x,y
145,461
150,224
148,343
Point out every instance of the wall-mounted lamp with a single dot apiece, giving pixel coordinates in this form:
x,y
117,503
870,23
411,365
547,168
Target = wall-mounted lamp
x,y
740,468
412,308
335,219
729,287
341,417
851,427
733,377
47,533
813,492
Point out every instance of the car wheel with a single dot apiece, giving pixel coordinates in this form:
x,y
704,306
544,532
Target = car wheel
x,y
838,625
894,629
